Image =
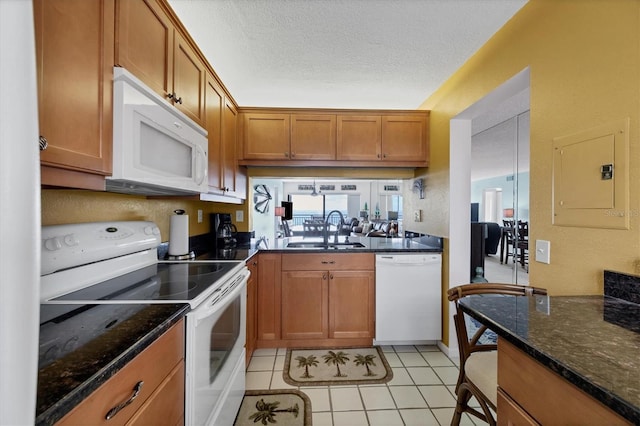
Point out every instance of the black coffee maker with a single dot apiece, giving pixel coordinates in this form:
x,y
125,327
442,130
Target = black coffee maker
x,y
224,230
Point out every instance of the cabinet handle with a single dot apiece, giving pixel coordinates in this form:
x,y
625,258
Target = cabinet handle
x,y
378,155
286,154
115,410
330,262
175,98
43,144
384,155
293,154
331,276
324,276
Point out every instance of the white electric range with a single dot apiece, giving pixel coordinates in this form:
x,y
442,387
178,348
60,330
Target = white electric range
x,y
117,263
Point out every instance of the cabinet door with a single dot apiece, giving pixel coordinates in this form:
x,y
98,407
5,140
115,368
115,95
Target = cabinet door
x,y
214,101
511,413
145,43
74,55
359,138
234,177
304,304
404,138
269,296
313,137
266,136
252,294
351,304
188,80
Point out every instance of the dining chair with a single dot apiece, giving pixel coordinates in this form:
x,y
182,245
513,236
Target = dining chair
x,y
522,244
478,375
507,243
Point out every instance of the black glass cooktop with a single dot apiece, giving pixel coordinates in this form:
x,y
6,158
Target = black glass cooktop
x,y
167,281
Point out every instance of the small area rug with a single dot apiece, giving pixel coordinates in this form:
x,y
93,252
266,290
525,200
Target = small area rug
x,y
288,407
344,366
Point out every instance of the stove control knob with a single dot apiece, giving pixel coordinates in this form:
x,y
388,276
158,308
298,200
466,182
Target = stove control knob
x,y
151,230
52,244
71,240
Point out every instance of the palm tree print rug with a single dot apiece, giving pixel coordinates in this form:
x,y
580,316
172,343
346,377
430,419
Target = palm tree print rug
x,y
288,407
321,367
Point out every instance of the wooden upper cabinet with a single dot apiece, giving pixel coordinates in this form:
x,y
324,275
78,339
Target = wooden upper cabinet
x,y
145,43
225,177
74,55
266,136
313,137
214,104
339,138
359,138
404,137
234,178
149,45
188,80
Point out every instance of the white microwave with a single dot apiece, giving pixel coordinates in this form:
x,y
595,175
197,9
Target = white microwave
x,y
157,150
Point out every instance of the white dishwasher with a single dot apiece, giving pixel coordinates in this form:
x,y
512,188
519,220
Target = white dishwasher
x,y
408,298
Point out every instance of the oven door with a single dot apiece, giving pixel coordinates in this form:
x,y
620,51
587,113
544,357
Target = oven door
x,y
216,332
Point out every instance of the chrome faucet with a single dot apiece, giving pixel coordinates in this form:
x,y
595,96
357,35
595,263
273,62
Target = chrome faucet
x,y
325,231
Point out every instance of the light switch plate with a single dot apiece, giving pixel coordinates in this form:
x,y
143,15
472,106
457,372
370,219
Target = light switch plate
x,y
543,251
417,216
239,216
199,216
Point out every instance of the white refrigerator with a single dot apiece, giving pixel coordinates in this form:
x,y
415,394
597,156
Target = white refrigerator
x,y
19,215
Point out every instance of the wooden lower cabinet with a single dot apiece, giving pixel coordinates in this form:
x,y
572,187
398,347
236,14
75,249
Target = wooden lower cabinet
x,y
317,300
530,393
252,307
268,299
160,369
351,304
305,307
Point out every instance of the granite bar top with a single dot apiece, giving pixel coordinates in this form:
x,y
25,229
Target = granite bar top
x,y
591,341
110,336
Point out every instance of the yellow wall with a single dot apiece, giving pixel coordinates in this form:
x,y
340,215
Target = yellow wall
x,y
584,58
77,206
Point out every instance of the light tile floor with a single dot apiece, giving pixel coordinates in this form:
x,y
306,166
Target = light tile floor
x,y
420,393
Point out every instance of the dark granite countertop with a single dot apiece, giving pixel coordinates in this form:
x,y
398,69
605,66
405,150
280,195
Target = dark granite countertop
x,y
592,341
371,244
114,335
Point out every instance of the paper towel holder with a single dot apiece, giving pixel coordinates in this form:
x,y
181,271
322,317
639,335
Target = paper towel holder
x,y
187,256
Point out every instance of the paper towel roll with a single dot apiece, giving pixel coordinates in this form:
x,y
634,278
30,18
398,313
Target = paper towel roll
x,y
179,235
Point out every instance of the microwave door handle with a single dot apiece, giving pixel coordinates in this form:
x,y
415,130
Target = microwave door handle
x,y
201,165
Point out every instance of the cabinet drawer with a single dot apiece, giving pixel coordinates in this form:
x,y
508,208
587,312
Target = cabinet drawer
x,y
166,405
328,261
151,366
545,395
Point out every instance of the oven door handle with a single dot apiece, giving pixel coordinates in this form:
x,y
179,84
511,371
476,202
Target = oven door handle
x,y
214,302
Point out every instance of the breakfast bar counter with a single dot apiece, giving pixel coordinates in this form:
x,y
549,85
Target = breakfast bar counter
x,y
593,342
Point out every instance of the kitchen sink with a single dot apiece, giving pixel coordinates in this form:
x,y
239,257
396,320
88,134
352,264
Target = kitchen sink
x,y
334,246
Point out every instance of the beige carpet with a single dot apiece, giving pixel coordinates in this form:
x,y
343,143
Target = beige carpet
x,y
321,367
288,407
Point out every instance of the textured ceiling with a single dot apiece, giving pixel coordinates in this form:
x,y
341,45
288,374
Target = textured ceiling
x,y
388,54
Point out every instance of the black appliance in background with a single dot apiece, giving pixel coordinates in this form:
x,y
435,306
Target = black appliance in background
x,y
288,210
224,235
